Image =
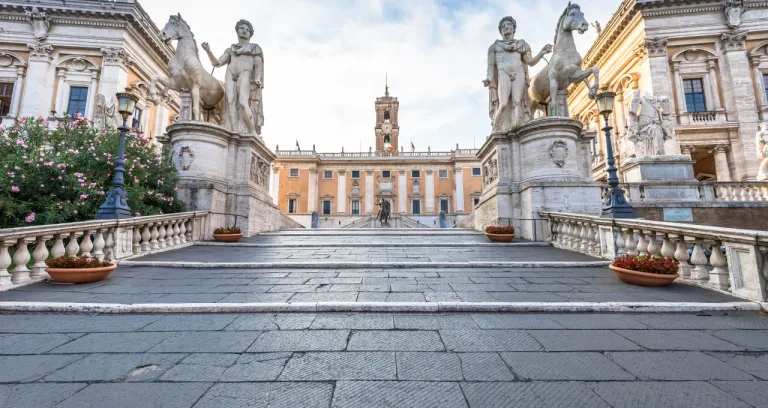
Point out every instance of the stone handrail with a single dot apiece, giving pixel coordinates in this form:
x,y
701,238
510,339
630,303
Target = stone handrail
x,y
742,270
109,239
362,222
706,192
409,222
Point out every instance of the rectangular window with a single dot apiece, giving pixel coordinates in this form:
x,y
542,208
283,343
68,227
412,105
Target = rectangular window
x,y
6,94
328,175
355,174
694,95
294,173
415,174
475,201
78,97
444,205
327,207
136,123
476,171
442,173
292,206
386,174
355,207
417,206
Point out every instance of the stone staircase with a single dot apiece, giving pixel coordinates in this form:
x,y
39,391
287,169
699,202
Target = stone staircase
x,y
395,221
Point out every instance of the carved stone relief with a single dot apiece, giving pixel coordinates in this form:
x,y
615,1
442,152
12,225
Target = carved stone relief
x,y
39,22
490,171
186,157
558,152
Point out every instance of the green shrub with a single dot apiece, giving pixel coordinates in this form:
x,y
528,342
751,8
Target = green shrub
x,y
62,174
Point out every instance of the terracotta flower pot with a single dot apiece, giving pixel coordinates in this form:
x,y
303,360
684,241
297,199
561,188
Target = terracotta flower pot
x,y
80,275
227,237
500,237
643,278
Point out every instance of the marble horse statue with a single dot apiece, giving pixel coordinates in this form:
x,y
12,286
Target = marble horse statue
x,y
564,67
187,72
384,212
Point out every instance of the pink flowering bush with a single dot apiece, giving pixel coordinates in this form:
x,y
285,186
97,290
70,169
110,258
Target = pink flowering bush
x,y
50,176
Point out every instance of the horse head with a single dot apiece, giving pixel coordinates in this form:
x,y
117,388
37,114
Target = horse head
x,y
175,29
573,19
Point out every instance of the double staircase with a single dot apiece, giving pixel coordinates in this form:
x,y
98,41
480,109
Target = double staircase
x,y
395,221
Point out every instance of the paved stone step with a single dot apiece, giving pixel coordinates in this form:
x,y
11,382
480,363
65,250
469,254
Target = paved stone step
x,y
360,265
373,232
376,245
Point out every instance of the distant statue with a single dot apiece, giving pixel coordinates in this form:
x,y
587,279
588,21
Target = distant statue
x,y
384,212
761,140
443,220
733,11
598,28
39,22
187,73
649,124
507,77
315,219
244,81
105,115
564,67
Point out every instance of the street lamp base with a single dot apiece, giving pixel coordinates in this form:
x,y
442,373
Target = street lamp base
x,y
116,206
618,212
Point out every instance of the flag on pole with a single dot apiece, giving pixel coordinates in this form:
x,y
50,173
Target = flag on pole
x,y
388,145
413,148
298,149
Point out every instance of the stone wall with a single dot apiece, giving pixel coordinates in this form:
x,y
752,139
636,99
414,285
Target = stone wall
x,y
753,218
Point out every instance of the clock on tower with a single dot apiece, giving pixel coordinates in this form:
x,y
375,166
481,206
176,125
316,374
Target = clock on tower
x,y
387,129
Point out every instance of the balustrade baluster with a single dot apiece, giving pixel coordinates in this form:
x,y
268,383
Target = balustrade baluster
x,y
700,261
742,193
681,255
621,243
153,243
558,234
40,254
667,248
110,245
642,244
575,236
86,245
21,257
566,241
161,235
58,246
751,192
73,248
190,226
145,237
654,247
98,244
584,245
5,262
176,231
718,277
183,231
596,247
631,244
169,235
136,240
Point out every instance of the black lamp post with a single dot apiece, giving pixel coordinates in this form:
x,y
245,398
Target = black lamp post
x,y
116,206
614,204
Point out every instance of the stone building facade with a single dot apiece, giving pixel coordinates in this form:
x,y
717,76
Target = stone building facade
x,y
708,57
343,187
73,57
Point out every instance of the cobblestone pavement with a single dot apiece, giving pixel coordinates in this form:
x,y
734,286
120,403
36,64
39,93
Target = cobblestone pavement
x,y
131,285
383,360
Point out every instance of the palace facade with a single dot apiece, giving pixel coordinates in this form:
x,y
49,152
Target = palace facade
x,y
344,187
708,57
72,57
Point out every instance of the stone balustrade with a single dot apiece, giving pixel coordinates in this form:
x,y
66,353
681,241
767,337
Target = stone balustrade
x,y
703,118
110,239
706,192
337,155
726,259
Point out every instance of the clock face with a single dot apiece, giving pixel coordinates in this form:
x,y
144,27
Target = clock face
x,y
386,127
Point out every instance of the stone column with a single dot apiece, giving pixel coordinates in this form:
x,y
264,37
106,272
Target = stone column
x,y
16,103
91,103
687,149
369,184
37,93
762,101
721,162
61,89
714,90
341,201
738,69
402,193
275,185
661,79
429,194
312,191
680,94
458,191
114,71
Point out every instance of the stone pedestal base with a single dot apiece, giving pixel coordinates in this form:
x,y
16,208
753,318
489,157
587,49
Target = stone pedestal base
x,y
662,177
539,166
226,174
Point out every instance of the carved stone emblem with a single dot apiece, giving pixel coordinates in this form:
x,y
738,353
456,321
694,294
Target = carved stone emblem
x,y
355,189
558,152
186,157
733,10
39,22
40,52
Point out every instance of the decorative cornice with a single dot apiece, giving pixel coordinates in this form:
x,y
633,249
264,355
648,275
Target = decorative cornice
x,y
657,47
734,41
117,56
40,52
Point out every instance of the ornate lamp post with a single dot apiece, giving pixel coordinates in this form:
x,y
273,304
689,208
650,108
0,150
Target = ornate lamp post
x,y
116,206
614,204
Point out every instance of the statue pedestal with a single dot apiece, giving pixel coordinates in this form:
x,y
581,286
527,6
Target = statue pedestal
x,y
226,174
662,177
543,165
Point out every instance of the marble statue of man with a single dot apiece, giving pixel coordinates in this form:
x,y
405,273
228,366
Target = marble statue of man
x,y
761,140
507,77
649,124
243,82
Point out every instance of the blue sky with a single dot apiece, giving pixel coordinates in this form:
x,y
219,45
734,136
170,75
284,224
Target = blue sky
x,y
326,60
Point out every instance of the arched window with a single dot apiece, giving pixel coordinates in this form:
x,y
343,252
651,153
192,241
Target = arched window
x,y
386,115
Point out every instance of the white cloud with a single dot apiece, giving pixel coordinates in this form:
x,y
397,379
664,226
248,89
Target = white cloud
x,y
325,61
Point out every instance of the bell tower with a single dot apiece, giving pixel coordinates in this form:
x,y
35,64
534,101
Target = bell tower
x,y
387,126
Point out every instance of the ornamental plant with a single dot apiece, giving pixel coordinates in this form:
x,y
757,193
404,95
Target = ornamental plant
x,y
77,262
499,230
650,264
227,230
52,175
